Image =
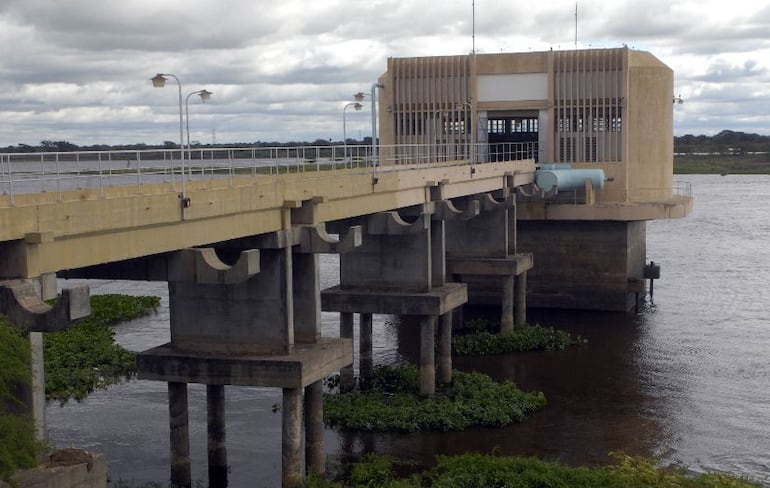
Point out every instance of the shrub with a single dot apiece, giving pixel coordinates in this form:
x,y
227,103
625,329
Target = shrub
x,y
18,447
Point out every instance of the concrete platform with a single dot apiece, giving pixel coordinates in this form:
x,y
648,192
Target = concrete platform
x,y
437,301
306,365
510,266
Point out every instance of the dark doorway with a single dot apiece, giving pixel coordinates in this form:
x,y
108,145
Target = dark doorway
x,y
512,137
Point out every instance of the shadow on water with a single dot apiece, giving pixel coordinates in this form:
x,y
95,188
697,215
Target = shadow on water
x,y
595,401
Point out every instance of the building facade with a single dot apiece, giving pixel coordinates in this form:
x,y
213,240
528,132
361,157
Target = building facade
x,y
597,109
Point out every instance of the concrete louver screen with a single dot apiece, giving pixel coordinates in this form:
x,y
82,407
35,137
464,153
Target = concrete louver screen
x,y
588,95
431,105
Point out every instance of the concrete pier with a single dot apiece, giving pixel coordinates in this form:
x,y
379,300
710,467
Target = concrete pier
x,y
481,252
366,354
314,429
445,349
291,439
256,323
179,435
427,355
217,449
394,272
22,301
346,332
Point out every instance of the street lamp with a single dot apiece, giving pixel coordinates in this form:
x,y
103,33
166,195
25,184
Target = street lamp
x,y
359,97
205,95
159,81
357,106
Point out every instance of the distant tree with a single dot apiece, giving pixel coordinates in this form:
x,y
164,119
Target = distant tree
x,y
58,146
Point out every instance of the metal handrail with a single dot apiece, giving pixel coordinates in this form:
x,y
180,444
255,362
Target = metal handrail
x,y
57,172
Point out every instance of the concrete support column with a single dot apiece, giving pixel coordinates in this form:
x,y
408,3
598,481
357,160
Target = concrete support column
x,y
179,435
217,449
306,297
38,385
427,355
521,298
445,349
346,332
365,357
314,429
506,319
291,442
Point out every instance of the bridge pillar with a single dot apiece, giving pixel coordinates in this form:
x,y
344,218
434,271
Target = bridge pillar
x,y
481,252
398,270
256,322
346,332
217,448
23,303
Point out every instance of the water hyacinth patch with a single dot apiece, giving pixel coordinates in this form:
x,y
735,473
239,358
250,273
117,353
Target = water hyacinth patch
x,y
482,341
392,403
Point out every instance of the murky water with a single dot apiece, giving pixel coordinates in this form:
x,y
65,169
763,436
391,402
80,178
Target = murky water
x,y
687,380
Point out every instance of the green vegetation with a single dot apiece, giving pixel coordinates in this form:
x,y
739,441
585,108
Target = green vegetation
x,y
482,339
84,357
478,470
18,447
722,164
392,403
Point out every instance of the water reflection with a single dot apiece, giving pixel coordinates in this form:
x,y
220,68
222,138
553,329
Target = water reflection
x,y
687,379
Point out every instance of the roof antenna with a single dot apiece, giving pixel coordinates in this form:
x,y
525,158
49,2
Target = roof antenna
x,y
473,28
575,25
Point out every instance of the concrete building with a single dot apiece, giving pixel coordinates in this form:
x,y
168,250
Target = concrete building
x,y
595,109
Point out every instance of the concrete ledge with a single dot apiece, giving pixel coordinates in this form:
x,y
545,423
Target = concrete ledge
x,y
438,301
306,365
68,468
510,266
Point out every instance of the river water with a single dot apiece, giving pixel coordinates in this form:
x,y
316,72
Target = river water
x,y
686,380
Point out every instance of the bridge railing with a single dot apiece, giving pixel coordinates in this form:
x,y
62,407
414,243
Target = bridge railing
x,y
25,173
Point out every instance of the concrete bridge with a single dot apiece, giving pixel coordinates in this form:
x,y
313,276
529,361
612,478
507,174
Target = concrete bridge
x,y
236,234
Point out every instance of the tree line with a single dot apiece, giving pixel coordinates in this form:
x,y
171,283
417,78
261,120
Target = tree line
x,y
66,146
727,142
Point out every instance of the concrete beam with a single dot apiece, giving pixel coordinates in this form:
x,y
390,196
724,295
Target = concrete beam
x,y
315,239
391,224
307,364
437,301
446,210
203,266
510,266
21,303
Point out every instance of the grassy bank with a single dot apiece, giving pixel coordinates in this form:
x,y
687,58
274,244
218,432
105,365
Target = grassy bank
x,y
477,470
84,357
392,403
718,164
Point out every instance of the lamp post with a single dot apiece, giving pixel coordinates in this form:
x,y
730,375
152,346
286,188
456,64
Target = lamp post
x,y
159,81
468,128
359,97
205,95
357,106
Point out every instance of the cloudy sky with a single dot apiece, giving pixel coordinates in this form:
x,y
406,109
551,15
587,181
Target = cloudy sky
x,y
281,70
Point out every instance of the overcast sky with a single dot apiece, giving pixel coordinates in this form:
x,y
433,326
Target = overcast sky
x,y
282,70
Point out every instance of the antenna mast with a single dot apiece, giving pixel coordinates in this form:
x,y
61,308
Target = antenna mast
x,y
473,31
575,25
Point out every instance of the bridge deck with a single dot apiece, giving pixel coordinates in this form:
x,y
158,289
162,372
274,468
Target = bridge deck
x,y
54,231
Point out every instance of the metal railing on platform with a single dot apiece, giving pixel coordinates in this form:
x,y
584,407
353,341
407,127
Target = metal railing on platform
x,y
25,173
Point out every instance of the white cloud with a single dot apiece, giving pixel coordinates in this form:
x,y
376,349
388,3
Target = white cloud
x,y
79,70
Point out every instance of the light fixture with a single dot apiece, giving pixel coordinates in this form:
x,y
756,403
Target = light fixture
x,y
159,81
